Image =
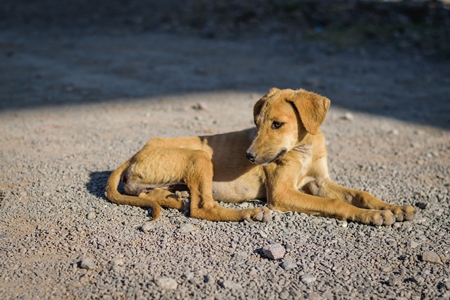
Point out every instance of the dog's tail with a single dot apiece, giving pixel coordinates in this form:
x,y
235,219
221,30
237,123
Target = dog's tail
x,y
114,196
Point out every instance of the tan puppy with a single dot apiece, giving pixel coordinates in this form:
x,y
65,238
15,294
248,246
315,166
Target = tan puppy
x,y
284,154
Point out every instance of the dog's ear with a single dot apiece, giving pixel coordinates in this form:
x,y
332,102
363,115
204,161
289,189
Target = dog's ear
x,y
312,109
258,105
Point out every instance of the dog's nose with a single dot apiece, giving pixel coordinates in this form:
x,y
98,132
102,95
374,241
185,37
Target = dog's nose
x,y
250,156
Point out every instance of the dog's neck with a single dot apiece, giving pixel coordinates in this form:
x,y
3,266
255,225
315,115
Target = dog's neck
x,y
304,144
303,148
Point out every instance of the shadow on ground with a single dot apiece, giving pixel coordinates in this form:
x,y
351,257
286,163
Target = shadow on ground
x,y
97,182
55,56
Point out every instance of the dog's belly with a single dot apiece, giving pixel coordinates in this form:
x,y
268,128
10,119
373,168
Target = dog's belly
x,y
237,191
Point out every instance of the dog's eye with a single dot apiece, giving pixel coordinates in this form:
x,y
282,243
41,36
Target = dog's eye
x,y
277,125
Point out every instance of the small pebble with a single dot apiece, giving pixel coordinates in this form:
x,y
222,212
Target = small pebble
x,y
117,262
348,117
422,205
274,251
393,132
284,295
308,278
391,242
241,255
288,265
393,281
228,284
431,257
187,227
412,244
87,263
91,215
148,226
189,275
166,283
418,279
386,269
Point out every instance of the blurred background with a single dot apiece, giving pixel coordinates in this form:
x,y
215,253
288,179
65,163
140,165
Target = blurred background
x,y
389,58
422,26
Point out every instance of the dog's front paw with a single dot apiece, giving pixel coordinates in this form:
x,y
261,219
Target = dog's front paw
x,y
404,213
381,217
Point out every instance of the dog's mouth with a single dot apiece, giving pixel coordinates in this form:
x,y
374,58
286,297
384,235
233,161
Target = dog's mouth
x,y
256,159
279,155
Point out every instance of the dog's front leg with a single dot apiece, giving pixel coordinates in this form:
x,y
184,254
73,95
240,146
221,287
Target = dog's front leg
x,y
326,188
199,178
294,200
283,195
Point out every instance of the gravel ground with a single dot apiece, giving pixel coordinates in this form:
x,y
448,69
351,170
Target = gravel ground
x,y
74,105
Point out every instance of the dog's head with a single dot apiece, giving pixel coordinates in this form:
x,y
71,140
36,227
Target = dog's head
x,y
283,118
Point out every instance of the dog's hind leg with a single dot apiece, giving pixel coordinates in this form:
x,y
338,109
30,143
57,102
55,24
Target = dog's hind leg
x,y
199,179
164,198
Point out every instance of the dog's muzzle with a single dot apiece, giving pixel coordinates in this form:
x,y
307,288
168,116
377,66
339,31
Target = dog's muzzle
x,y
250,156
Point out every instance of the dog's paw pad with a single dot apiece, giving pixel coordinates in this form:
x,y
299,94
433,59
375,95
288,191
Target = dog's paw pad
x,y
408,213
399,217
387,217
404,213
259,216
267,217
383,217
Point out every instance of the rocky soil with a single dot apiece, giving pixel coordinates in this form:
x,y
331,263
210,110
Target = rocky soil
x,y
75,102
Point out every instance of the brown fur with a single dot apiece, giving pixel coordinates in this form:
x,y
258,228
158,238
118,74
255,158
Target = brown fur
x,y
285,154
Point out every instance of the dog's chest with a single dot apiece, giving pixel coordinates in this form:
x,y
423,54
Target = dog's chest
x,y
303,154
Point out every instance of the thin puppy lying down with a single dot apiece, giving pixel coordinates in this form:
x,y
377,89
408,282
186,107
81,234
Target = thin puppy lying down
x,y
284,154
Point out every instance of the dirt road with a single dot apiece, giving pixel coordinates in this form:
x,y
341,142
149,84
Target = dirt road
x,y
74,105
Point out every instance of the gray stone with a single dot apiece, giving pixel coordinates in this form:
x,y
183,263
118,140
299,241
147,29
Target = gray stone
x,y
391,242
431,257
348,117
166,283
288,263
412,244
91,215
228,284
284,295
187,227
87,263
148,226
189,275
241,255
308,278
274,251
394,281
418,279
